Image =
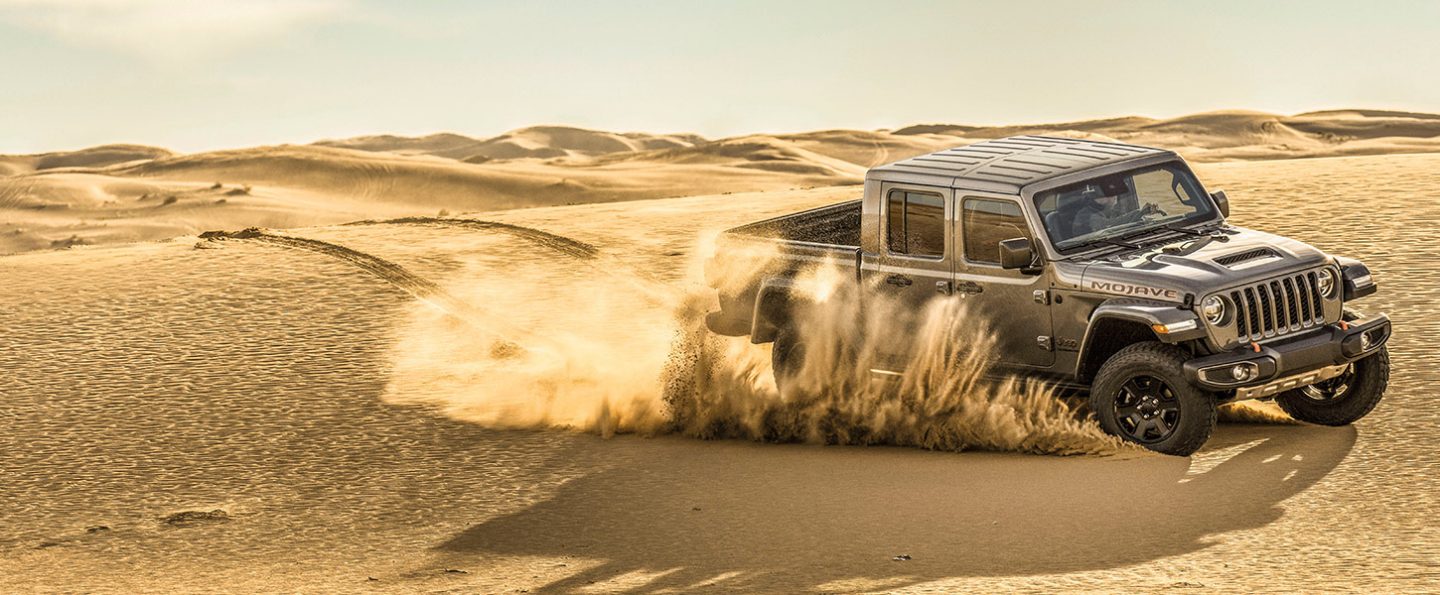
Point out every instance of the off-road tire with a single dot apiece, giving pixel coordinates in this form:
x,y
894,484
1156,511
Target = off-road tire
x,y
1371,376
1156,361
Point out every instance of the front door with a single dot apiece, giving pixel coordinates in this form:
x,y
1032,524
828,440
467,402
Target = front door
x,y
1016,304
914,264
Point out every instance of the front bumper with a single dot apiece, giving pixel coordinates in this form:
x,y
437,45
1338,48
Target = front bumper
x,y
1299,361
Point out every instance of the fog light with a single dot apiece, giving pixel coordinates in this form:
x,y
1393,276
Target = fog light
x,y
1242,372
1364,341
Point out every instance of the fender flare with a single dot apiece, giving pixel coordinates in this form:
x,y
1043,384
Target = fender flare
x,y
1355,279
1146,313
772,308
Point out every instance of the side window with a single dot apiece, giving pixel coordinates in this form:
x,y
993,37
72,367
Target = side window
x,y
985,223
915,223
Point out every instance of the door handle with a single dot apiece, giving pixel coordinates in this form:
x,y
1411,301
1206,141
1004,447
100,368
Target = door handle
x,y
969,287
898,280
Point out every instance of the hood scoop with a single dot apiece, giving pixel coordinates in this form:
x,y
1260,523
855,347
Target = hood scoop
x,y
1230,260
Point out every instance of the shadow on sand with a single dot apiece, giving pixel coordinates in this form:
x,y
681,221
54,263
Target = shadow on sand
x,y
743,516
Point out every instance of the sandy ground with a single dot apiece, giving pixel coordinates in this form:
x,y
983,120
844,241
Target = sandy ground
x,y
304,416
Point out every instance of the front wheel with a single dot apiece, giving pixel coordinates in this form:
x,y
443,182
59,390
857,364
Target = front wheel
x,y
1141,395
1343,399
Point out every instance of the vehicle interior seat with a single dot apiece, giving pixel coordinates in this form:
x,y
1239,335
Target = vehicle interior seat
x,y
1062,220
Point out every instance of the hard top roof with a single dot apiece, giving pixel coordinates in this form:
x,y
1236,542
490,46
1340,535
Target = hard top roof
x,y
1018,160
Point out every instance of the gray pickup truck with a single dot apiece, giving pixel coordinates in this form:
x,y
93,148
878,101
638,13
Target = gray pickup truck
x,y
1100,267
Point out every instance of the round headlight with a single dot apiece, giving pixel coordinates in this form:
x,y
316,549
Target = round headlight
x,y
1326,283
1213,308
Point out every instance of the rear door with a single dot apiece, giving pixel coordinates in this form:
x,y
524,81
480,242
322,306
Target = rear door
x,y
914,264
1016,305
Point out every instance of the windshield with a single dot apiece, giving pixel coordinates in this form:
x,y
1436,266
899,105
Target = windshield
x,y
1118,205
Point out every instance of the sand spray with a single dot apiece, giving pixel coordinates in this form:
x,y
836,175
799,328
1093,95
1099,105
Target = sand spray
x,y
632,355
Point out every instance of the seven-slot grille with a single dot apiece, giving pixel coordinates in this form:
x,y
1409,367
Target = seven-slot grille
x,y
1278,306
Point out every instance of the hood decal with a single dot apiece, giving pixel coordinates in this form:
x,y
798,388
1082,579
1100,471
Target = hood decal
x,y
1129,290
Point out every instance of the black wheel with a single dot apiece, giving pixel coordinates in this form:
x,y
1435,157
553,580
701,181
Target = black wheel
x,y
787,356
1343,399
1141,395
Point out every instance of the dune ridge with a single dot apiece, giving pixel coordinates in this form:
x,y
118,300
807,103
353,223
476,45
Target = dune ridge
x,y
1243,135
99,156
530,142
1209,136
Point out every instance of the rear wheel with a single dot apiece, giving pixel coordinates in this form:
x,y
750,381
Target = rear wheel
x,y
1141,395
787,356
1343,399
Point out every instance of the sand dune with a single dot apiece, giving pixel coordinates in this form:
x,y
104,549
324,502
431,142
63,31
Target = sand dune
x,y
432,182
542,142
445,144
100,156
1243,135
124,193
558,141
291,186
844,154
69,208
867,148
757,153
1210,136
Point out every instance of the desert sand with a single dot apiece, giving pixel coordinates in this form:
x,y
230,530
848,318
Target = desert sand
x,y
372,395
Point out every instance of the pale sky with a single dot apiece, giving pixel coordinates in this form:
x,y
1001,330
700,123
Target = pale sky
x,y
194,74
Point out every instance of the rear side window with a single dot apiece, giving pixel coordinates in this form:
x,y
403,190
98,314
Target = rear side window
x,y
987,222
915,223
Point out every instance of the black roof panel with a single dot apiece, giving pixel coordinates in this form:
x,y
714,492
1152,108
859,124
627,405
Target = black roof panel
x,y
1019,160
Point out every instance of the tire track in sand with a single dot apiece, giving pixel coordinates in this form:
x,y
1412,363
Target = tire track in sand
x,y
423,289
558,243
395,274
647,285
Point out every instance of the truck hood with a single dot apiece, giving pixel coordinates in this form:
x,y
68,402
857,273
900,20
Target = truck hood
x,y
1166,270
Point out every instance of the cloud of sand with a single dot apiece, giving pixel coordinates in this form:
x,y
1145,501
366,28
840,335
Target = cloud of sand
x,y
1254,412
616,352
588,358
724,388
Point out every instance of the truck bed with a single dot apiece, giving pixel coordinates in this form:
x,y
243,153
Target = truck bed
x,y
836,225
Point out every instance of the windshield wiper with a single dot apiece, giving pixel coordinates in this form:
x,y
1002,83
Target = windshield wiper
x,y
1149,230
1119,241
1173,227
1116,243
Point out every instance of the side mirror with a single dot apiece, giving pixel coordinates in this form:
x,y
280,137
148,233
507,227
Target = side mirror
x,y
1221,201
1016,253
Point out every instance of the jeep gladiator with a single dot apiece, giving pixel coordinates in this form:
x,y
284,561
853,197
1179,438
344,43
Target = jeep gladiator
x,y
1100,267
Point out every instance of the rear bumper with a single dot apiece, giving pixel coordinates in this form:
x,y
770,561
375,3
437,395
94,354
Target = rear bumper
x,y
1300,361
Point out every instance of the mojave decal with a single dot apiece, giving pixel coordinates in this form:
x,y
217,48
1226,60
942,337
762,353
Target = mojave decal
x,y
1117,287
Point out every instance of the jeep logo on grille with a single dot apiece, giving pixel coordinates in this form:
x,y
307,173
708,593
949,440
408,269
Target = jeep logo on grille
x,y
1134,290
